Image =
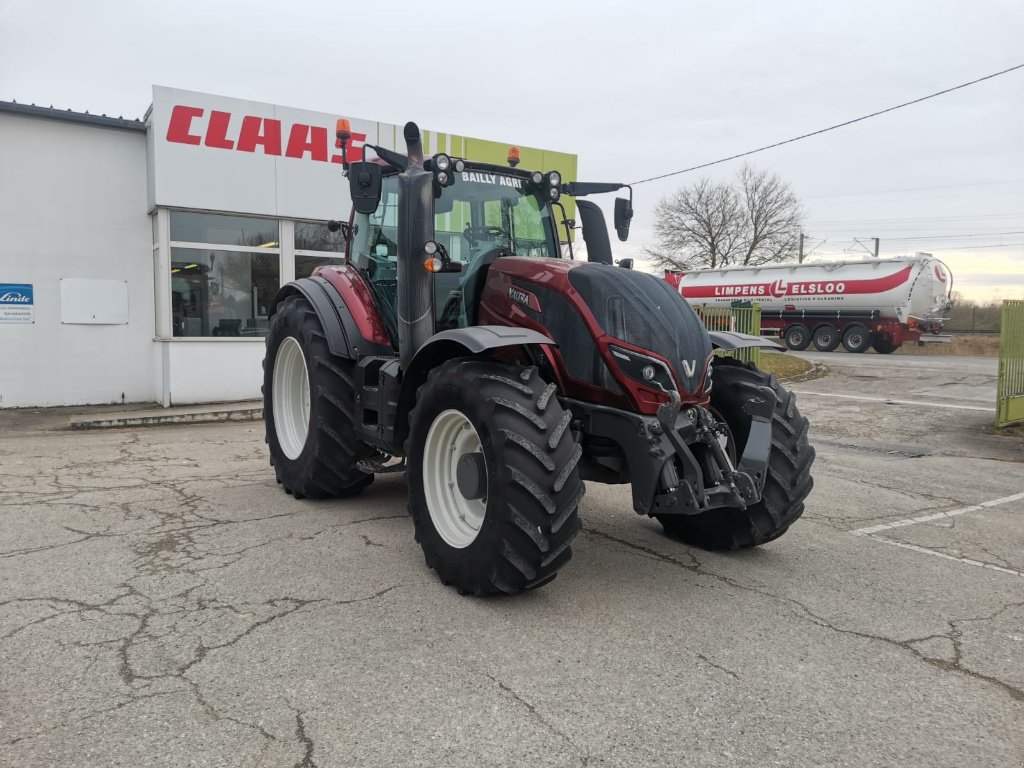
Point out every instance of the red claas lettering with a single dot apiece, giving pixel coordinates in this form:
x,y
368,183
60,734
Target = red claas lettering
x,y
304,141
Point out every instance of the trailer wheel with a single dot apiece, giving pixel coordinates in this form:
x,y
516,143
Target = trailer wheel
x,y
826,338
494,489
307,408
789,468
856,338
798,337
884,346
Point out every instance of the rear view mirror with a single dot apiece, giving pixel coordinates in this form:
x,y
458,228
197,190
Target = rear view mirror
x,y
625,263
623,216
364,183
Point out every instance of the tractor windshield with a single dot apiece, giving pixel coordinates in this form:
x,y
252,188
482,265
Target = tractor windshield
x,y
479,212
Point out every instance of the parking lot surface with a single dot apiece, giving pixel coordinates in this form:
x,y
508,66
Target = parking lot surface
x,y
163,603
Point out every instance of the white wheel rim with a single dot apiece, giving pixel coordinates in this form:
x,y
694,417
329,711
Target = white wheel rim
x,y
291,398
456,518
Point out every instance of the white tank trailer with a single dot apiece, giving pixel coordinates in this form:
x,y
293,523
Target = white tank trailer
x,y
879,303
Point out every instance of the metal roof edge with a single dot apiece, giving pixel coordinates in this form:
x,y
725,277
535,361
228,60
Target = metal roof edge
x,y
32,110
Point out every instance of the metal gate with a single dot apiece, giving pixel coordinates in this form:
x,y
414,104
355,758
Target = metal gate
x,y
1010,406
745,318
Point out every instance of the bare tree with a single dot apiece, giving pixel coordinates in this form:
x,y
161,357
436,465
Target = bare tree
x,y
772,217
709,224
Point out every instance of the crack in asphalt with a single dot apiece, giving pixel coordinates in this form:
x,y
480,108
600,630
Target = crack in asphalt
x,y
957,666
583,755
305,742
710,663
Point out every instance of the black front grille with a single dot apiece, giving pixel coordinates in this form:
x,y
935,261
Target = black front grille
x,y
575,344
642,310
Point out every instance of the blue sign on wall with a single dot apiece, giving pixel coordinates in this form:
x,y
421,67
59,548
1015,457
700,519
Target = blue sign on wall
x,y
17,304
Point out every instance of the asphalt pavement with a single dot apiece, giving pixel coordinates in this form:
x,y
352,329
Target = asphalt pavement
x,y
163,603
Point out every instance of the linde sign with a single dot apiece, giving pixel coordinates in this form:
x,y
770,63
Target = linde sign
x,y
16,303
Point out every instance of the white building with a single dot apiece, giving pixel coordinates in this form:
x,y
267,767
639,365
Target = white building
x,y
139,257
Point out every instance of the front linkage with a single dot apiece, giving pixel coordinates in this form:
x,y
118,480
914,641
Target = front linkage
x,y
701,445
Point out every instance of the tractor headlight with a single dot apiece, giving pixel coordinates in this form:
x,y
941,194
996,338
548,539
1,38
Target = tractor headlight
x,y
554,178
553,193
537,178
442,178
430,248
460,166
647,370
442,162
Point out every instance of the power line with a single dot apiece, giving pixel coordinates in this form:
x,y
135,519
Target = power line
x,y
831,127
974,247
1018,215
950,237
915,189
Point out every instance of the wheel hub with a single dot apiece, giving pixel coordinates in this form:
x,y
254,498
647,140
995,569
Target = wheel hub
x,y
471,475
455,478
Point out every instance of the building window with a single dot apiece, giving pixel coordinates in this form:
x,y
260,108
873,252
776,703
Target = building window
x,y
218,229
316,246
225,270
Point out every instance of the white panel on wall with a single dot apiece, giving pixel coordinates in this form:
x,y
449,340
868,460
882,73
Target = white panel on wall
x,y
85,301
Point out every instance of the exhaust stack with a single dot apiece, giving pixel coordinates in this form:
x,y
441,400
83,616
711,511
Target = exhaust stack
x,y
415,297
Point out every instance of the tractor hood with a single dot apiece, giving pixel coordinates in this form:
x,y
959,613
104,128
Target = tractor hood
x,y
597,314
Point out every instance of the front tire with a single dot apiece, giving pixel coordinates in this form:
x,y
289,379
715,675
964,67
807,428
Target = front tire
x,y
885,346
308,401
789,478
504,519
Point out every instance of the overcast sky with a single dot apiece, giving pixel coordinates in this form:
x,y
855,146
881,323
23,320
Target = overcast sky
x,y
635,89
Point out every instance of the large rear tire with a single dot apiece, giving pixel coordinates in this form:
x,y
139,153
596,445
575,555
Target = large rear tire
x,y
789,468
884,346
307,408
856,338
503,519
826,338
798,337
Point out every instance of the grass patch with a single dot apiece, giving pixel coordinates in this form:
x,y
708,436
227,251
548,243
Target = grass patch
x,y
785,366
967,345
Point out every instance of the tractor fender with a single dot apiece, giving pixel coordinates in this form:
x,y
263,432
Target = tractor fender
x,y
478,338
457,342
730,340
344,338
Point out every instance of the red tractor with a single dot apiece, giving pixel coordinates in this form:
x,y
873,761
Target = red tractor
x,y
458,346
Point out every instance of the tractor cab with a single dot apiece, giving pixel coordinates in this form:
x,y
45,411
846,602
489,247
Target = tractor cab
x,y
479,214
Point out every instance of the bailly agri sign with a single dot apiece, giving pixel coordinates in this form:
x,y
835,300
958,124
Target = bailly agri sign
x,y
222,154
17,303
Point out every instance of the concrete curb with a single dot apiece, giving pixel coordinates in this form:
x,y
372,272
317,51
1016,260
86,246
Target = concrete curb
x,y
162,416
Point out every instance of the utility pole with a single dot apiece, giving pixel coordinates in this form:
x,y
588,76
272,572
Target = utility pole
x,y
801,257
876,247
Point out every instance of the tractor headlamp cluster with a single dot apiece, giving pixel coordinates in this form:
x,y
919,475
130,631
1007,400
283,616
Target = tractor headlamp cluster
x,y
554,180
647,370
445,168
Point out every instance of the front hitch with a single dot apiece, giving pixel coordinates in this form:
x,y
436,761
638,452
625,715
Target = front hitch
x,y
669,456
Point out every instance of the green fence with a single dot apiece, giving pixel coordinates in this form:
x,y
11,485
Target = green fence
x,y
741,319
1010,408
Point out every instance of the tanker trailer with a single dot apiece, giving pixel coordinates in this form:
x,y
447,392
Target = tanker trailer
x,y
878,303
